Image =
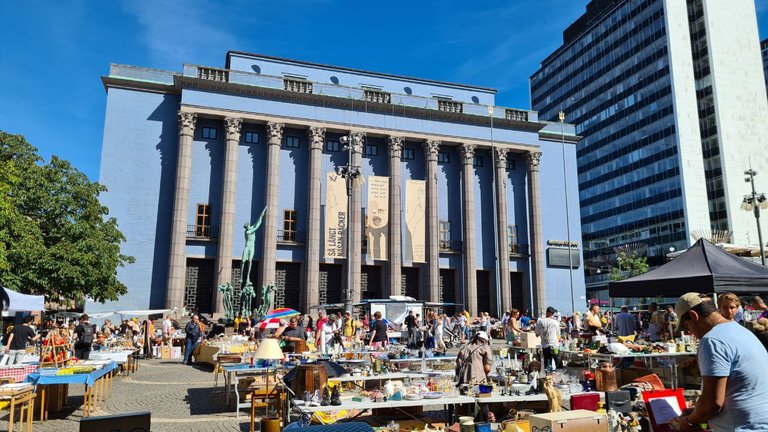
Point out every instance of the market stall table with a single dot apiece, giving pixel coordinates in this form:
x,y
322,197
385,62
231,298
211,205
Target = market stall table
x,y
367,405
119,357
17,372
650,356
233,373
98,384
21,396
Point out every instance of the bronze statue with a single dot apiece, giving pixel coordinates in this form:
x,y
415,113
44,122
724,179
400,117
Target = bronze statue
x,y
227,293
246,299
249,250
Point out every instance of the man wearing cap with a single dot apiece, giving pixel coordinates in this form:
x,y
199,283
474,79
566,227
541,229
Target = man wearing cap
x,y
732,364
548,329
474,361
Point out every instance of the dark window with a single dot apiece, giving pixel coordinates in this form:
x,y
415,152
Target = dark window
x,y
292,142
443,157
289,225
409,154
332,146
251,138
371,150
511,164
477,161
209,132
203,220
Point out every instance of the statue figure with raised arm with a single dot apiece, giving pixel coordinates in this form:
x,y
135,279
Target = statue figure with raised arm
x,y
249,250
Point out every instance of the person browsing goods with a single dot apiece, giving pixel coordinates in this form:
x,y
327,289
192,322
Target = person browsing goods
x,y
733,369
193,334
17,341
83,338
548,329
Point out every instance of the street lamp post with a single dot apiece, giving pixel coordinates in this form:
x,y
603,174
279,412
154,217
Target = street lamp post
x,y
567,213
350,173
755,202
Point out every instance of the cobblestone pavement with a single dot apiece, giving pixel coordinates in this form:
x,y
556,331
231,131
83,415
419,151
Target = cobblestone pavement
x,y
180,398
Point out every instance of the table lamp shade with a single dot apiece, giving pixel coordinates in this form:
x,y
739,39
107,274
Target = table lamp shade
x,y
268,349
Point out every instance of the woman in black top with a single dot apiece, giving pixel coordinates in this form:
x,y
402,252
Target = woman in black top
x,y
378,332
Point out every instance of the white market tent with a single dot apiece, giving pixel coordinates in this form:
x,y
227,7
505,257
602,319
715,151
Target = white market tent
x,y
16,302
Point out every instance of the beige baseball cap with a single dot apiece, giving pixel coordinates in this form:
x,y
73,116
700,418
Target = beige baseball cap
x,y
685,303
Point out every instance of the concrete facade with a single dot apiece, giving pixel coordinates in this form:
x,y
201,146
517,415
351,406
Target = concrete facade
x,y
189,157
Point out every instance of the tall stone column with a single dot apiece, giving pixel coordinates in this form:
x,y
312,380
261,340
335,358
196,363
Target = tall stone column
x,y
311,294
356,142
227,214
468,207
501,223
431,148
534,233
177,266
395,248
269,243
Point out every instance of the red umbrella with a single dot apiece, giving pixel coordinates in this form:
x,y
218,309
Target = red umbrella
x,y
269,323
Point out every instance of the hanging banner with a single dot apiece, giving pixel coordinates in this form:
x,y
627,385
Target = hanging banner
x,y
335,216
415,220
377,217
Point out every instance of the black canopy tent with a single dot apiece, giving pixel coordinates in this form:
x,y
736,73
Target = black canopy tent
x,y
703,268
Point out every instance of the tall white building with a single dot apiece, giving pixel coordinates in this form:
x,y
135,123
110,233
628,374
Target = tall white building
x,y
670,98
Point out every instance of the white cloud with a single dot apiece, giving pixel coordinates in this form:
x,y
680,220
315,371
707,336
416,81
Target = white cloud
x,y
194,31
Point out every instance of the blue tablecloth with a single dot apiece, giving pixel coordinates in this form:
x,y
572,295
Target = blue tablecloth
x,y
87,379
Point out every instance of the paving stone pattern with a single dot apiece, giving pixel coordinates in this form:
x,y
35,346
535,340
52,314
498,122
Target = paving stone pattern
x,y
180,398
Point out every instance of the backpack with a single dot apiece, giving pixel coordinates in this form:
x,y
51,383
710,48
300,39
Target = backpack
x,y
87,337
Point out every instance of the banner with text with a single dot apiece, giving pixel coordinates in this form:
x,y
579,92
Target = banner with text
x,y
335,216
415,220
377,217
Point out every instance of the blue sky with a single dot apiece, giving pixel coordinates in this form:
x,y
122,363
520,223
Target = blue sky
x,y
52,54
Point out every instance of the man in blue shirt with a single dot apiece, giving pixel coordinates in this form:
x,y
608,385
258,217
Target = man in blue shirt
x,y
626,324
733,368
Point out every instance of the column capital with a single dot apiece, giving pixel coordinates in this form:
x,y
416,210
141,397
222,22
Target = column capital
x,y
316,137
431,147
356,141
533,158
396,146
232,126
187,123
468,153
501,156
275,131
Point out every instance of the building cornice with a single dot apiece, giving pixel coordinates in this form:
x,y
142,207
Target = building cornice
x,y
134,84
184,82
297,122
569,139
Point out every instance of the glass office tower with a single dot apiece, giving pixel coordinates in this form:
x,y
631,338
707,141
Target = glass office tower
x,y
669,96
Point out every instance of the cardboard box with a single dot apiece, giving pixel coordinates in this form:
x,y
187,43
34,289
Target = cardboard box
x,y
165,353
175,352
570,421
529,340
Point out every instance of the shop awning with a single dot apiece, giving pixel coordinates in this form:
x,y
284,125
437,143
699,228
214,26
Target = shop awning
x,y
703,268
16,302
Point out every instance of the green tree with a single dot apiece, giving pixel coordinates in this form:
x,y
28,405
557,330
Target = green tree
x,y
55,236
628,266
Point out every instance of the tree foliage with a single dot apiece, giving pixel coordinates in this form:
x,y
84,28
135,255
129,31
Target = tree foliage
x,y
55,236
628,266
